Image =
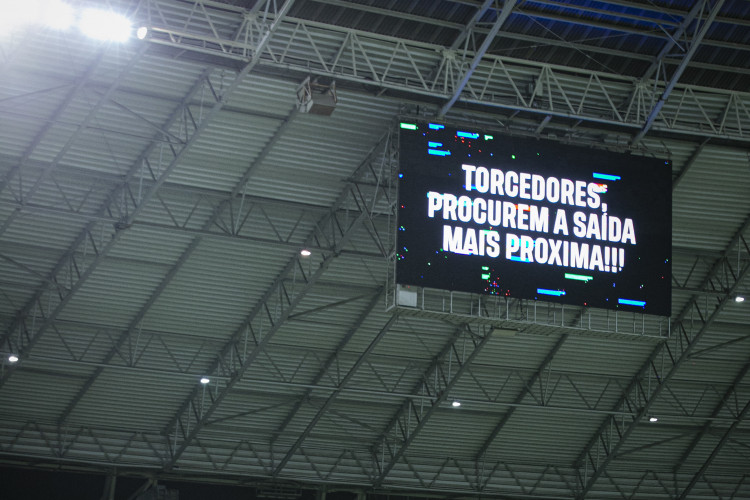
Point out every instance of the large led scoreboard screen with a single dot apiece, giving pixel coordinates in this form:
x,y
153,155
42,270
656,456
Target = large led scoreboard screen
x,y
533,219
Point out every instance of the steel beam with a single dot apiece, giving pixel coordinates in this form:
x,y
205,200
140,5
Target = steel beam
x,y
389,63
159,344
519,399
439,394
213,232
135,210
279,301
613,433
240,207
501,18
28,195
68,260
328,363
54,117
109,487
695,42
706,427
671,41
184,257
142,489
101,449
471,25
567,18
330,400
688,164
722,441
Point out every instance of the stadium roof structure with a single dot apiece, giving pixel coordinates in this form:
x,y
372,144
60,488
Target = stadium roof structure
x,y
156,193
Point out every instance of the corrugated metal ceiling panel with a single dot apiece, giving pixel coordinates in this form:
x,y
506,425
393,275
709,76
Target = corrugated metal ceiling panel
x,y
142,361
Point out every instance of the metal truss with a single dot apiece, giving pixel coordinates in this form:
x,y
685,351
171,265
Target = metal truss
x,y
226,205
14,178
306,47
326,366
502,16
369,184
184,210
695,12
528,389
588,20
341,384
739,417
13,173
90,247
100,448
671,42
96,240
436,383
237,216
655,375
468,32
260,220
152,449
705,429
547,390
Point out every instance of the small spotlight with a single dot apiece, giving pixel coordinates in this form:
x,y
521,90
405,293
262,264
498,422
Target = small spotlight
x,y
305,252
653,419
13,358
141,32
456,404
205,380
739,298
105,25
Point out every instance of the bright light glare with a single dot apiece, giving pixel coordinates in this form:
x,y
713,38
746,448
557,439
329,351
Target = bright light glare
x,y
16,15
105,25
205,380
141,33
50,13
456,404
57,15
305,252
739,298
13,358
653,419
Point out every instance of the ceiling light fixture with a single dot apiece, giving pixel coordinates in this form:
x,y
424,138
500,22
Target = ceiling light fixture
x,y
739,298
653,419
305,252
205,380
456,403
13,358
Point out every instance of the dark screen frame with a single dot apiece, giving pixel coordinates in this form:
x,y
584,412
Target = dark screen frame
x,y
642,193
